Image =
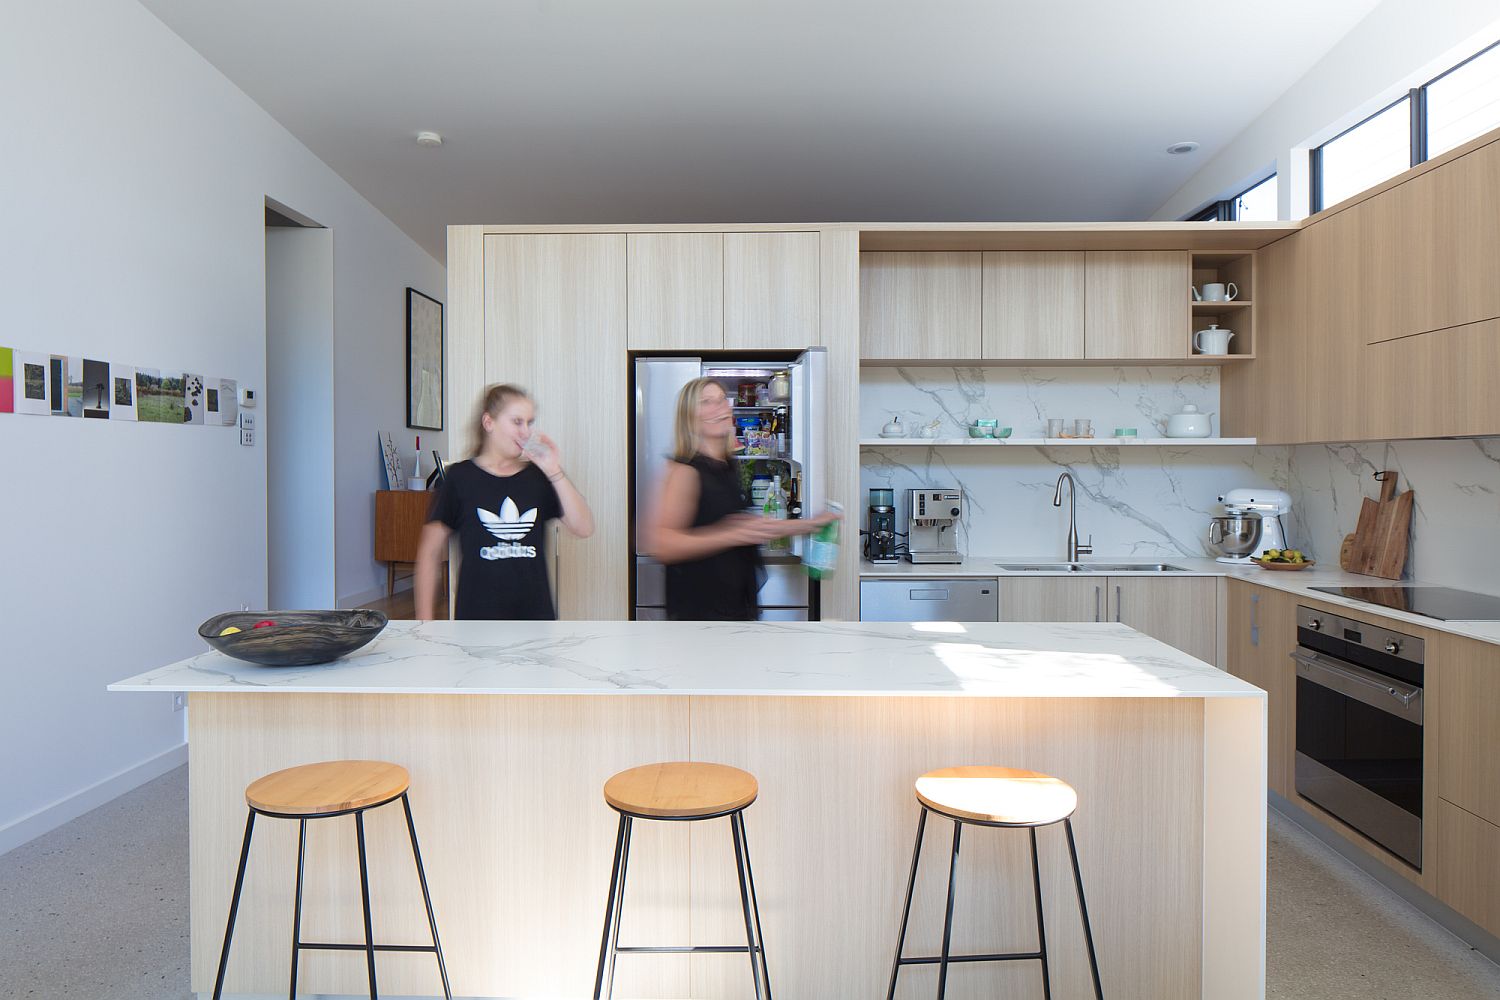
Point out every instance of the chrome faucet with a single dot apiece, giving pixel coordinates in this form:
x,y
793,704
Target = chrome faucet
x,y
1074,549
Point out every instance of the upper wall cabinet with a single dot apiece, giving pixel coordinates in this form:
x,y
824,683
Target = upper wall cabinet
x,y
1430,261
771,291
1137,304
676,291
1033,305
919,306
1264,400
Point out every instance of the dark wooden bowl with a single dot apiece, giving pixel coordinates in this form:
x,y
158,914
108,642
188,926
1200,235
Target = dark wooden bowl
x,y
298,639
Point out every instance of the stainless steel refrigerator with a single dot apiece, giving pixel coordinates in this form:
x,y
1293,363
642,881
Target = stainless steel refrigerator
x,y
788,595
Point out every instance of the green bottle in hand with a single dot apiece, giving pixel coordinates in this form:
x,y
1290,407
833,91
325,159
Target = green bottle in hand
x,y
823,547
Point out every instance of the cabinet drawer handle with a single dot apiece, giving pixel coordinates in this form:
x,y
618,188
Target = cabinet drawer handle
x,y
1117,602
1097,617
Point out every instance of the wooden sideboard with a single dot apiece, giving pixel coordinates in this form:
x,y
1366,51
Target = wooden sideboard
x,y
399,516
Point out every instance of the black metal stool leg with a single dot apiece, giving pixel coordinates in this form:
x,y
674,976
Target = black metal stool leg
x,y
614,934
760,937
297,907
739,868
1083,908
1041,925
948,915
234,905
364,895
609,910
416,854
911,884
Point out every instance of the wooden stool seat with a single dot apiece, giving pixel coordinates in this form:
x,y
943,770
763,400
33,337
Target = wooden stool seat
x,y
681,790
1000,796
334,786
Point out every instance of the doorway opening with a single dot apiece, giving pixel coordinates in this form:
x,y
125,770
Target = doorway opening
x,y
296,418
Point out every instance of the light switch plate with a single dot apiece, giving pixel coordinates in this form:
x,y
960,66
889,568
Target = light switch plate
x,y
247,421
247,437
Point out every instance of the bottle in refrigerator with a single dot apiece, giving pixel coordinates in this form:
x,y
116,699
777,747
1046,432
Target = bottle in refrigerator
x,y
822,556
775,507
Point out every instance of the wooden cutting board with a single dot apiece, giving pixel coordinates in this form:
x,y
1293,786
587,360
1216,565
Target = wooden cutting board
x,y
1382,534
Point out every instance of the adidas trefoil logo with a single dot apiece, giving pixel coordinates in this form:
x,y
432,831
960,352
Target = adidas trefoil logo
x,y
509,526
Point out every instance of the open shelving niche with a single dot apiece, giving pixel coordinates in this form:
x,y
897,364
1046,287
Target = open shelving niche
x,y
1237,315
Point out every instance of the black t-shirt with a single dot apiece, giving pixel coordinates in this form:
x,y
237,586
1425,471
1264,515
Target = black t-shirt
x,y
722,586
501,523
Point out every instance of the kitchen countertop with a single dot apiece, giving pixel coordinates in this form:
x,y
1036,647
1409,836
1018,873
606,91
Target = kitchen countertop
x,y
992,660
1299,583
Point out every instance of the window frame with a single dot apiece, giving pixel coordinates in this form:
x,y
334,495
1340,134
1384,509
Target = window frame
x,y
1226,209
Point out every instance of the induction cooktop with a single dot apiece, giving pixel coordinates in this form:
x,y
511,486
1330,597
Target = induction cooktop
x,y
1442,603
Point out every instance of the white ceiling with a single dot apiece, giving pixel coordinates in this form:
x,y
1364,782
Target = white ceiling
x,y
617,111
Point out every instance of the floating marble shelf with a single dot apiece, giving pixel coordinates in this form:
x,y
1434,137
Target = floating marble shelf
x,y
1104,442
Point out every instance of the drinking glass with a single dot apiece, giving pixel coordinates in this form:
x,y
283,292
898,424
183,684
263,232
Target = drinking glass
x,y
1054,427
1083,428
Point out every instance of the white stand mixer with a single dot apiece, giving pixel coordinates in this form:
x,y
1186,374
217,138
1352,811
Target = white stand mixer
x,y
1251,523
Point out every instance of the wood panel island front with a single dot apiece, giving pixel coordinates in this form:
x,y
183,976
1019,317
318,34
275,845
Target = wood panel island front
x,y
510,730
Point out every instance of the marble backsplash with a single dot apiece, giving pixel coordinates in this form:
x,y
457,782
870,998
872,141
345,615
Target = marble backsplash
x,y
1155,501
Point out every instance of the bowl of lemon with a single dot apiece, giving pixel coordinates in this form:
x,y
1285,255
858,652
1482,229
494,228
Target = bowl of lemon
x,y
1283,559
291,638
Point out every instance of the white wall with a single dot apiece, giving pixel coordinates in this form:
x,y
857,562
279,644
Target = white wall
x,y
297,419
135,181
1401,44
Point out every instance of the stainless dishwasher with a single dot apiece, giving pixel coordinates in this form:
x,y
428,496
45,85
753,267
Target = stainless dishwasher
x,y
929,601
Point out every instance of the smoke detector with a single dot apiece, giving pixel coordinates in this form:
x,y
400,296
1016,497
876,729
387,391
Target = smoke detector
x,y
1178,148
429,139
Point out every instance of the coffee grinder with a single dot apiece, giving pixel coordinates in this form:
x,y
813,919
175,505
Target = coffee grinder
x,y
880,539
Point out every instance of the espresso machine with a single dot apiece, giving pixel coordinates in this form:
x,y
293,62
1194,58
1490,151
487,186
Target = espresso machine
x,y
932,525
880,537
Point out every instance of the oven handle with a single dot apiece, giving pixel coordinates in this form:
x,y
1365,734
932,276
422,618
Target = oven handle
x,y
1360,684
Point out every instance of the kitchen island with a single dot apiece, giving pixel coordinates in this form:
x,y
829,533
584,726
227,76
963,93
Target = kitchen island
x,y
509,731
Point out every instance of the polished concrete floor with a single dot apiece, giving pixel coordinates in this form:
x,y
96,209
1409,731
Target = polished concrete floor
x,y
97,910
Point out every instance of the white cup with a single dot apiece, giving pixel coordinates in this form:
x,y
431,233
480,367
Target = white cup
x,y
1217,291
1213,340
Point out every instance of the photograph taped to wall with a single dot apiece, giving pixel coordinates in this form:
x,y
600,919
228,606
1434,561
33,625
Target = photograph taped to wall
x,y
30,383
194,398
65,385
424,361
7,380
229,402
122,405
174,408
97,391
151,402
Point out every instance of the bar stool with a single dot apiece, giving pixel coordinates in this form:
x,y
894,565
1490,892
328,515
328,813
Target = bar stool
x,y
685,792
324,791
996,797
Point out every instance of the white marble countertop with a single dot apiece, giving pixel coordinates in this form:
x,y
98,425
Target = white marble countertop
x,y
1299,583
1006,660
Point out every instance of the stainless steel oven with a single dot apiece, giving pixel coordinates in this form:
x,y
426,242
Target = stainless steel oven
x,y
1359,727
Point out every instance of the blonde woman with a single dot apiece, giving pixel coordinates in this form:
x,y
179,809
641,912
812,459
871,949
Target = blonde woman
x,y
699,527
499,502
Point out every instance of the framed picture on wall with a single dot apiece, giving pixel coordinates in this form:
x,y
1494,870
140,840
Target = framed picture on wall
x,y
424,361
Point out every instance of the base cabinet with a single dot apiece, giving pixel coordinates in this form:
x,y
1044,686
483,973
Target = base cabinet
x,y
1182,612
1468,877
1260,632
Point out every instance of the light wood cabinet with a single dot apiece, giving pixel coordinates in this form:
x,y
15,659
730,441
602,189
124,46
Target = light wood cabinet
x,y
1260,632
1052,599
1181,611
919,306
676,299
1264,398
1464,695
554,321
1033,305
1330,381
1138,304
770,291
1468,873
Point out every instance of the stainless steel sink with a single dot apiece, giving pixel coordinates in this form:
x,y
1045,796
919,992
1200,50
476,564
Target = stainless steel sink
x,y
1090,567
